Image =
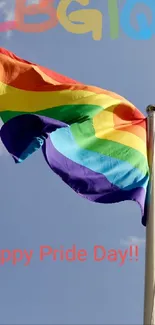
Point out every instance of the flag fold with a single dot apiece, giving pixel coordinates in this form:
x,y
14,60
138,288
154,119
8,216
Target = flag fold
x,y
94,139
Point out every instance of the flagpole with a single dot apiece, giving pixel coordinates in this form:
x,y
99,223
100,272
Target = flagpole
x,y
149,293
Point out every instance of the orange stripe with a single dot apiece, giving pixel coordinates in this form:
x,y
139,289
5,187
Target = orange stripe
x,y
25,75
123,115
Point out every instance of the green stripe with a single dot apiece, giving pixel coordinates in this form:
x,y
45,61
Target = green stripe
x,y
68,113
84,135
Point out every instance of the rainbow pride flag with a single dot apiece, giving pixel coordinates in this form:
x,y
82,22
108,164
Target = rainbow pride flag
x,y
94,139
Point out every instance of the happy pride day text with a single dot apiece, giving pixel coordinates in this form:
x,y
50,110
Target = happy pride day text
x,y
99,253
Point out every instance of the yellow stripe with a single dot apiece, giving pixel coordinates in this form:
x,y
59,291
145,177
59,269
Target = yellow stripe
x,y
14,99
104,119
104,129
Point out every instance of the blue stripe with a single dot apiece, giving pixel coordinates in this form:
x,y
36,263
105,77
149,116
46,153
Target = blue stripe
x,y
118,172
36,144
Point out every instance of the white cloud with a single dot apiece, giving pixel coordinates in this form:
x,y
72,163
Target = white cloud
x,y
2,4
131,240
7,10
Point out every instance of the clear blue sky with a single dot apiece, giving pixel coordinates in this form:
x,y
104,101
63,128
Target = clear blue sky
x,y
38,209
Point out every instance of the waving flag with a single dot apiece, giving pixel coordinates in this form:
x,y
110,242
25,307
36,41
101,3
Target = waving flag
x,y
94,139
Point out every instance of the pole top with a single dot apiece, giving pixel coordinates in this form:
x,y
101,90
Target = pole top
x,y
150,108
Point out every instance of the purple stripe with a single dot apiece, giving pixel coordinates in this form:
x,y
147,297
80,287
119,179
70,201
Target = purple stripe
x,y
22,131
92,186
23,135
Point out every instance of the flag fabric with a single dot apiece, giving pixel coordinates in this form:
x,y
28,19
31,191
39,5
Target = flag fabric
x,y
94,139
